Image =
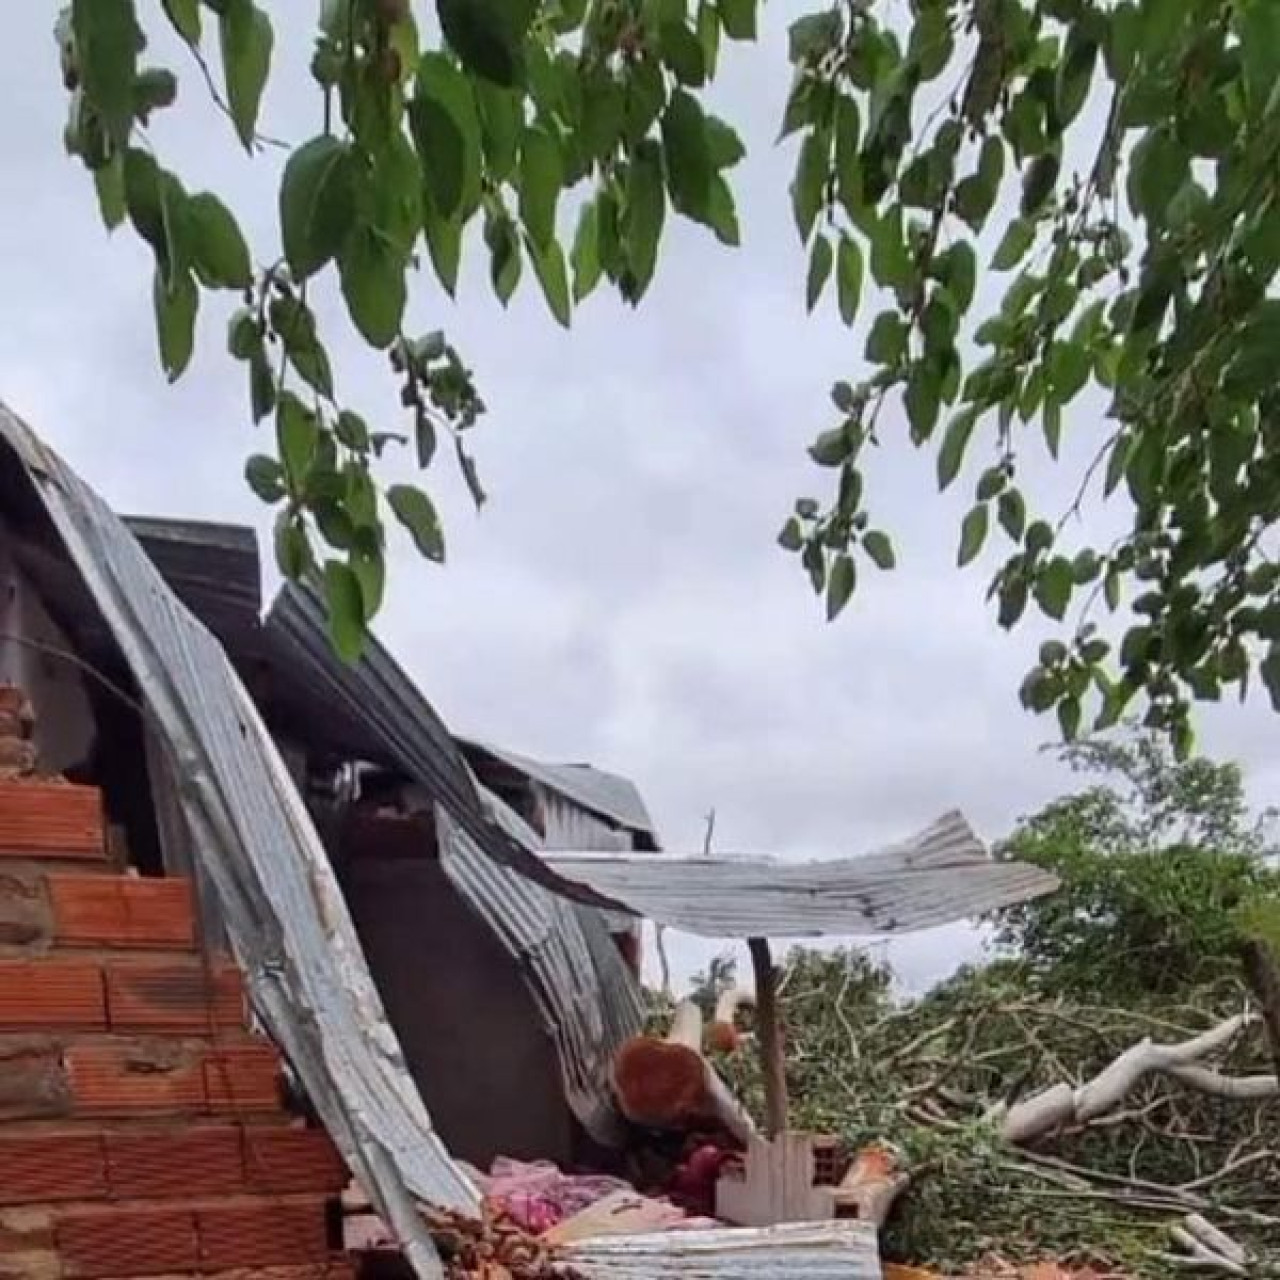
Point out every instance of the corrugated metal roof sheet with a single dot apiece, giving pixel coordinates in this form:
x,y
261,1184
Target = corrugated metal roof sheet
x,y
607,794
841,1250
587,999
943,874
213,569
259,852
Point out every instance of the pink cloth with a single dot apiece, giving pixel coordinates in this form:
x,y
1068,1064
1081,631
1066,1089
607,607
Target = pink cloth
x,y
538,1196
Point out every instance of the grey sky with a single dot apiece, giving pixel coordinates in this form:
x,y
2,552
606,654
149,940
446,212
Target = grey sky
x,y
621,599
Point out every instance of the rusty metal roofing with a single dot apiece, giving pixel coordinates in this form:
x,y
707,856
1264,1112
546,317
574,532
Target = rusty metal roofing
x,y
845,1249
258,852
944,873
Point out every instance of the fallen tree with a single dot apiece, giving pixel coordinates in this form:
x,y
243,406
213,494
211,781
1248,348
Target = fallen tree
x,y
1036,1125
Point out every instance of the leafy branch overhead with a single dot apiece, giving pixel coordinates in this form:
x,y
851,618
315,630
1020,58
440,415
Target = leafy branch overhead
x,y
1053,224
487,116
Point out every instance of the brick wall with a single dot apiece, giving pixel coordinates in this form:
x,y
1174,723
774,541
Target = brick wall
x,y
142,1127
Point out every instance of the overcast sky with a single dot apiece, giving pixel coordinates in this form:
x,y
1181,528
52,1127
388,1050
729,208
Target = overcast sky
x,y
621,599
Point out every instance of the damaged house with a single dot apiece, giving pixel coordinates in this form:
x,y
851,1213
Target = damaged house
x,y
222,851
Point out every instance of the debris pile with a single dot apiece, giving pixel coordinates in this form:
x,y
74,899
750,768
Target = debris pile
x,y
492,1248
1126,1189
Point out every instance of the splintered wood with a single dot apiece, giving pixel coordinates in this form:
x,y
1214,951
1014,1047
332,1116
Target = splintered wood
x,y
492,1249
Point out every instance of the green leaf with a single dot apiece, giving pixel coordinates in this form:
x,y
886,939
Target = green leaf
x,y
293,554
501,113
317,204
792,536
262,386
682,51
1053,587
218,251
585,258
821,260
954,444
175,301
346,610
957,268
688,154
810,37
1075,74
488,35
975,196
541,177
265,477
505,260
973,533
244,337
417,513
1269,670
890,260
107,42
549,267
645,210
887,341
1018,238
444,243
848,277
296,327
156,87
446,133
723,144
922,400
1069,365
108,182
297,440
246,39
371,271
1038,182
184,16
738,18
394,192
808,185
840,585
1158,167
879,548
1011,509
1069,717
352,430
722,217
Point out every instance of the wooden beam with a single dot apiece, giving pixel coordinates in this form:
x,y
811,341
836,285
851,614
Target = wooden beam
x,y
769,1026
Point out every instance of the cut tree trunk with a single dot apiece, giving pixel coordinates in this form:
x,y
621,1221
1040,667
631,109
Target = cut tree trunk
x,y
769,1027
1262,969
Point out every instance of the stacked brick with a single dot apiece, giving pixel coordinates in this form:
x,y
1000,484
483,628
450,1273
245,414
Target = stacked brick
x,y
142,1127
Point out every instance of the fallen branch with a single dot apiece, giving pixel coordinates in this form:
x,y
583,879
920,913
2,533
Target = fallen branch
x,y
1062,1105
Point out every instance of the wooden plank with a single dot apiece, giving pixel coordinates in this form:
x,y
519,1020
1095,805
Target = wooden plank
x,y
52,820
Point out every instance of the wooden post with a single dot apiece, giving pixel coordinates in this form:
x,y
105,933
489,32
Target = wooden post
x,y
769,1026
